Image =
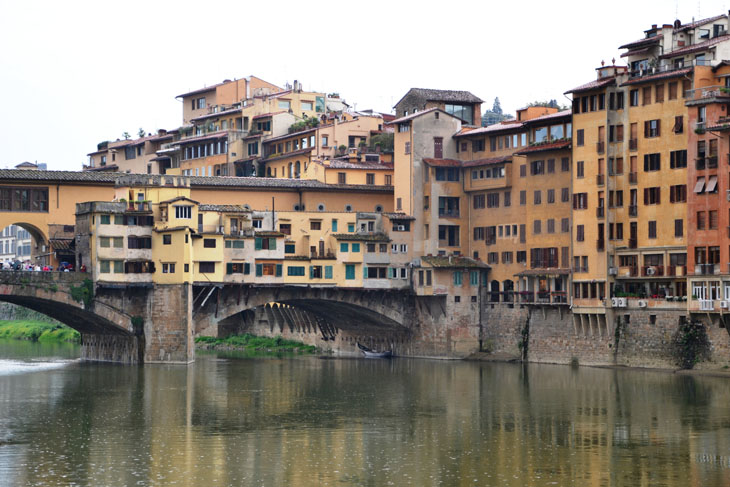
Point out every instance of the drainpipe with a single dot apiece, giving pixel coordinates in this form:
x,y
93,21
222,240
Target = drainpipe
x,y
273,214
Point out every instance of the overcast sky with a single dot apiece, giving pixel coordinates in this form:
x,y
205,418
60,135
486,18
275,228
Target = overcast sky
x,y
76,73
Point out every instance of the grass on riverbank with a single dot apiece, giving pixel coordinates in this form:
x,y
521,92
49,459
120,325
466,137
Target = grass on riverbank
x,y
38,331
250,342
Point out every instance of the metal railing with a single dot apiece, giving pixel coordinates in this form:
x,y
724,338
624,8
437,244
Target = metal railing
x,y
600,147
600,179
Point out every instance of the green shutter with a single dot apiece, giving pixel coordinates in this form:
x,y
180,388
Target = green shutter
x,y
278,270
364,272
344,247
351,227
257,243
474,278
311,272
259,270
457,278
247,268
356,247
328,271
229,268
349,271
390,273
334,225
272,244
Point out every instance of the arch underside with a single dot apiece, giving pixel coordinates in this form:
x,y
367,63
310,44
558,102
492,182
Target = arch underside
x,y
346,316
85,322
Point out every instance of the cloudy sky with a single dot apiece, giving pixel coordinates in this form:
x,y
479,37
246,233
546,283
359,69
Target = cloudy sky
x,y
76,73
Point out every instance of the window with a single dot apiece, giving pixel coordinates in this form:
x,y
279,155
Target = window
x,y
183,212
550,196
551,166
565,195
493,200
536,227
370,178
652,162
209,243
579,233
679,228
263,243
565,164
523,197
646,95
678,193
307,106
712,220
678,127
315,225
565,225
551,225
447,174
356,247
579,169
538,197
537,167
104,219
659,93
478,201
678,159
652,128
652,229
579,137
477,145
206,267
464,112
580,201
167,239
388,180
634,98
284,104
507,198
672,91
168,268
253,148
652,196
341,178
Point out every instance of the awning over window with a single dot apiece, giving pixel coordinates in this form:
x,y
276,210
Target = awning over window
x,y
711,184
700,184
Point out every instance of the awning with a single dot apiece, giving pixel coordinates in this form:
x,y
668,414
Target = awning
x,y
711,184
700,184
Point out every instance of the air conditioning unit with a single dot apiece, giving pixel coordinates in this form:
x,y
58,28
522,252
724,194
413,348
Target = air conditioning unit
x,y
642,303
401,228
612,271
622,302
724,304
241,233
614,302
650,271
221,229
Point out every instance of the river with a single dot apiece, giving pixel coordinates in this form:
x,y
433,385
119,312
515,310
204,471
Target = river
x,y
301,421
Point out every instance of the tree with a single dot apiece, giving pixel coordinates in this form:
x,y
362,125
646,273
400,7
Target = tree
x,y
140,132
385,141
126,135
497,108
553,103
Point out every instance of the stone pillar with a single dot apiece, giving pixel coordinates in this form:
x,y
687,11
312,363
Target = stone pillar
x,y
168,326
124,349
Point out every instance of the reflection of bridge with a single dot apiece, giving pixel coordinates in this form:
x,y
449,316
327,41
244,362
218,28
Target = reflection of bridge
x,y
157,323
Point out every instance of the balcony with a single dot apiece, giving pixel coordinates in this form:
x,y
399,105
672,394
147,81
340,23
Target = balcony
x,y
676,271
633,211
600,180
600,147
633,271
633,178
633,144
632,243
600,245
706,305
700,164
715,91
652,271
600,212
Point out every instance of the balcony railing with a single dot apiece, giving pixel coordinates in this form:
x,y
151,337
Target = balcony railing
x,y
633,178
633,144
600,212
700,164
600,245
714,91
633,210
600,147
652,270
600,180
633,271
706,305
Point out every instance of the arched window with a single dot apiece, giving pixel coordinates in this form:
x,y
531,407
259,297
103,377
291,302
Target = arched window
x,y
297,169
291,170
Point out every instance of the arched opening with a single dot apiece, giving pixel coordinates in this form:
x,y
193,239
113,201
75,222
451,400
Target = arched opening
x,y
25,245
494,291
508,288
291,170
297,170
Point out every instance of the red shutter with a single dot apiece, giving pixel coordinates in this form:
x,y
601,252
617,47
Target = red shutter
x,y
658,128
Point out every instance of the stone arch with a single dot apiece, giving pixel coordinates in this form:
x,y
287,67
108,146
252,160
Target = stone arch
x,y
494,291
297,170
39,238
508,288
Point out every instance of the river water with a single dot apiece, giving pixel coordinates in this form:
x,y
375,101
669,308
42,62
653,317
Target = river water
x,y
300,421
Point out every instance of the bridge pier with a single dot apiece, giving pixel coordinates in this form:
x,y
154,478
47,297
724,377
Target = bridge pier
x,y
123,349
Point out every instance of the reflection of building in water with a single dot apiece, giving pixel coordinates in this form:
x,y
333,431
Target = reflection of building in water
x,y
15,244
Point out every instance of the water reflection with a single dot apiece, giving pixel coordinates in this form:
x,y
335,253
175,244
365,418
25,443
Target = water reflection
x,y
307,421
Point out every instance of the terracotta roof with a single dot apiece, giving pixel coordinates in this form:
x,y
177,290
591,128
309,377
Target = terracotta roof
x,y
62,244
414,115
178,198
201,90
292,134
654,77
265,115
289,154
695,47
556,145
453,261
215,135
698,23
486,162
109,167
399,216
224,208
550,116
593,85
443,95
636,52
442,162
218,114
646,41
363,237
496,127
376,166
110,178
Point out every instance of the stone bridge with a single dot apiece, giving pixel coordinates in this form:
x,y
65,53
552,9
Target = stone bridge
x,y
148,323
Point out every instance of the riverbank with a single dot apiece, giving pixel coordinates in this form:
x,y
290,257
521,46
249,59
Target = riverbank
x,y
252,343
38,331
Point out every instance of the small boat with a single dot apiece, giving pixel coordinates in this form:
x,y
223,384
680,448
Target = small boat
x,y
370,353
